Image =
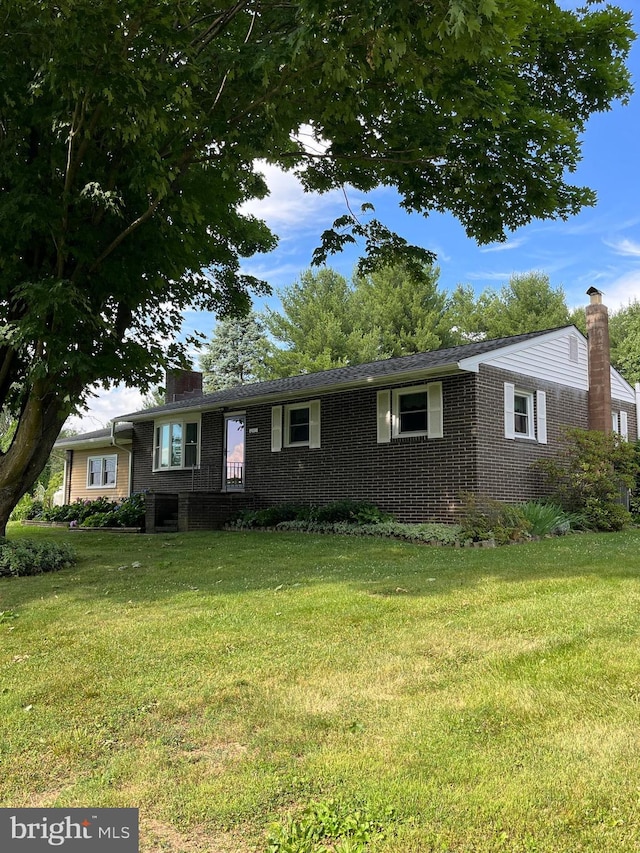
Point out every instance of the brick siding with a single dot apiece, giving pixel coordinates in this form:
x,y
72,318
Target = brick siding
x,y
415,478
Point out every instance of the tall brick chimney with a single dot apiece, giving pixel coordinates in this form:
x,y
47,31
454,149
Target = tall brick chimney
x,y
599,362
182,384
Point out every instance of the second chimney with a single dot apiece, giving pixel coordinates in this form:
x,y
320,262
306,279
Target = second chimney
x,y
182,384
599,362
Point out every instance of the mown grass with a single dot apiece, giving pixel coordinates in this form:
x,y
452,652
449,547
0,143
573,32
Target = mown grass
x,y
221,682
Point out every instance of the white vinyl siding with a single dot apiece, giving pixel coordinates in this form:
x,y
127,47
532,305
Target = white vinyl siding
x,y
548,361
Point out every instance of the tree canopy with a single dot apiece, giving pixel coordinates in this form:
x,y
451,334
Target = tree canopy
x,y
327,321
527,303
130,133
235,353
624,329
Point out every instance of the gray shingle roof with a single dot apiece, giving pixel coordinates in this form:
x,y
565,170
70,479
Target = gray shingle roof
x,y
339,376
123,431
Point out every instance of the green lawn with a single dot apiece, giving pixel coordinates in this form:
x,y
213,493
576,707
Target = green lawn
x,y
221,682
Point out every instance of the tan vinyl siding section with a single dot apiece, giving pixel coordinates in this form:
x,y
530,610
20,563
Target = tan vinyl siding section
x,y
79,488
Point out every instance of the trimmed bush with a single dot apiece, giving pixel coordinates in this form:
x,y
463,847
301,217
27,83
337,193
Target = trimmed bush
x,y
430,534
345,511
483,518
101,512
26,557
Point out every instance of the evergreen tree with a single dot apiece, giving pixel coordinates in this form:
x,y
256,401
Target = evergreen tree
x,y
402,310
318,326
527,304
236,353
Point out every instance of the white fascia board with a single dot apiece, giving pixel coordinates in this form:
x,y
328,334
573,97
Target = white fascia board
x,y
473,363
88,443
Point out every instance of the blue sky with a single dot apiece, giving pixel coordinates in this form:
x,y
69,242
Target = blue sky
x,y
600,246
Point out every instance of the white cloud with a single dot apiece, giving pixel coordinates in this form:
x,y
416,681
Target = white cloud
x,y
288,207
490,276
504,247
622,290
105,406
625,247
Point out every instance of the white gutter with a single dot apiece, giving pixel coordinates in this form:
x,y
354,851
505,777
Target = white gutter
x,y
638,410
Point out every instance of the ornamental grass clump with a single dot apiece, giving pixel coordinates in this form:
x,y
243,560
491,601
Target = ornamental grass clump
x,y
549,519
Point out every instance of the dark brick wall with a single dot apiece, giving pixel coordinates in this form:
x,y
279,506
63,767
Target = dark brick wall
x,y
210,510
207,478
507,466
415,478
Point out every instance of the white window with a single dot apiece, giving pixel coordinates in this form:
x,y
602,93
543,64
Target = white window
x,y
624,426
620,424
295,425
102,472
413,411
176,445
525,414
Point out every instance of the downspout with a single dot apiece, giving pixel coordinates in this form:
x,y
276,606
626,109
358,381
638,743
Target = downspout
x,y
638,411
128,450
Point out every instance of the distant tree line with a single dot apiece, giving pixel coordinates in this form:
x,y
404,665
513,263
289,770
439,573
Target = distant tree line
x,y
328,321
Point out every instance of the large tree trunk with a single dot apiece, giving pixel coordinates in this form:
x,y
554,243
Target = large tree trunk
x,y
38,427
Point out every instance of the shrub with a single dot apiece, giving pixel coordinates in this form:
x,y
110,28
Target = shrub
x,y
130,511
431,534
354,512
345,511
24,509
26,557
590,475
101,519
483,518
101,512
